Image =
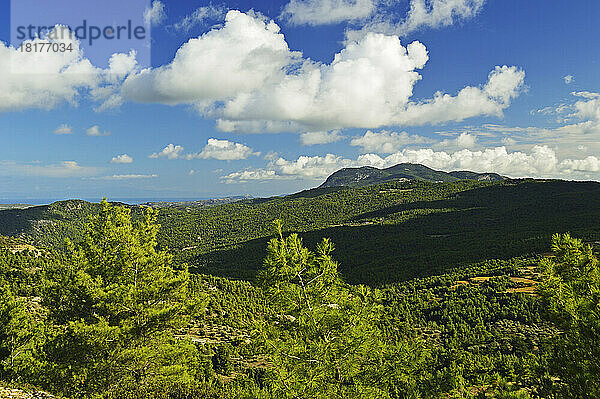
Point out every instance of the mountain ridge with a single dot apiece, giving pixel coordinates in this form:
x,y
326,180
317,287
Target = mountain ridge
x,y
369,175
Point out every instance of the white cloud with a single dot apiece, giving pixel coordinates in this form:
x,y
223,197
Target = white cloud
x,y
589,164
199,17
421,14
95,131
120,66
437,13
244,75
508,141
381,16
386,142
244,176
322,12
156,14
369,84
47,79
271,155
539,161
568,79
585,94
239,57
307,168
310,167
171,151
465,140
224,150
44,79
63,169
588,109
364,86
124,158
579,126
63,129
314,138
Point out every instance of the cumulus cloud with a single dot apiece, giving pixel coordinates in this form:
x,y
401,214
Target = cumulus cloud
x,y
156,14
568,79
504,83
244,75
244,176
322,12
171,151
199,17
63,129
588,109
224,150
61,170
364,86
387,142
44,80
539,161
95,131
589,164
47,79
310,167
314,138
464,140
239,57
369,84
107,95
124,158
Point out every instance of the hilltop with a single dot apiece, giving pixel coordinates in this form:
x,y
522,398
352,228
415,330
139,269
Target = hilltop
x,y
367,175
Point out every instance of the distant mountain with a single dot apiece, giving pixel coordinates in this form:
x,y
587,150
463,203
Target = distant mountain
x,y
367,175
466,175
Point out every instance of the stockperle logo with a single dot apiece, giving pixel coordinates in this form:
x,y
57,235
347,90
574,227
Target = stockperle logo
x,y
98,28
85,32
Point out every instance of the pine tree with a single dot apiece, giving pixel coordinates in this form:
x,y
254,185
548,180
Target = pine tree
x,y
116,303
323,341
571,294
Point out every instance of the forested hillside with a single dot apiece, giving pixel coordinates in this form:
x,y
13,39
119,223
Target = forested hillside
x,y
405,289
368,175
384,233
116,316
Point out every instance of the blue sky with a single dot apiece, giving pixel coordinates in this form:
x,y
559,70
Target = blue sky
x,y
270,97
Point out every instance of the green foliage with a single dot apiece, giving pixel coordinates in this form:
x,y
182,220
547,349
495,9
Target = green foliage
x,y
571,293
117,315
114,304
324,341
384,234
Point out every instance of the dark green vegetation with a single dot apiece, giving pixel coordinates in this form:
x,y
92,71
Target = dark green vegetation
x,y
367,175
384,233
421,290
